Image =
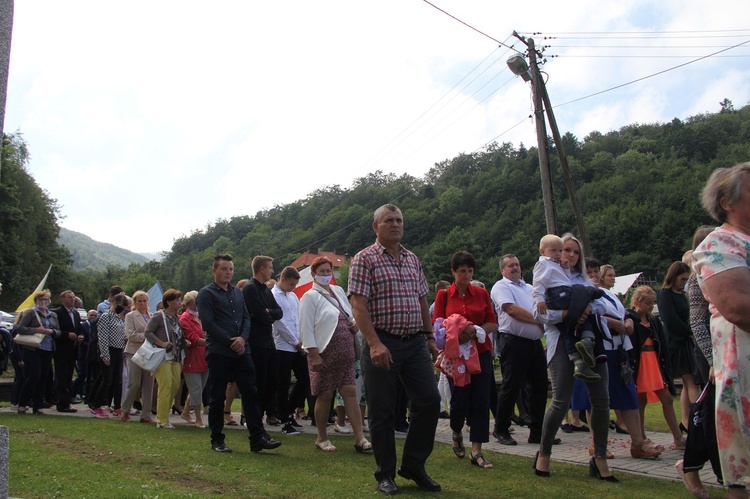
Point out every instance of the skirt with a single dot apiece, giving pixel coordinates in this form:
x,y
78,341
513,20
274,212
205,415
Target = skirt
x,y
338,361
649,374
621,397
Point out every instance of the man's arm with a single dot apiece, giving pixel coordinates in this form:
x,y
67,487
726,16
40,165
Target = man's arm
x,y
256,305
519,313
207,314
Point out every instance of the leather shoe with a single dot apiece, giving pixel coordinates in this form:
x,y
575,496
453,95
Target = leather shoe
x,y
422,480
505,438
220,447
538,440
387,486
264,444
68,409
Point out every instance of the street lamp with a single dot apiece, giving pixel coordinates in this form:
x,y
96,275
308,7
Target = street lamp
x,y
517,64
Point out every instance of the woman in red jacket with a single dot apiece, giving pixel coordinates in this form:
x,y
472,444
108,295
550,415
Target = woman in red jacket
x,y
194,367
472,400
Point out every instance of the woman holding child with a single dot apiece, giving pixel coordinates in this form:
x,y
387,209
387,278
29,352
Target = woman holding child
x,y
561,370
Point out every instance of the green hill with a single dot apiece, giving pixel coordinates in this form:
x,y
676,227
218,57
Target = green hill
x,y
93,255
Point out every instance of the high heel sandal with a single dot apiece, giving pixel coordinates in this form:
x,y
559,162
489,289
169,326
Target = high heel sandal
x,y
480,461
228,420
536,471
645,452
458,447
609,454
595,473
683,429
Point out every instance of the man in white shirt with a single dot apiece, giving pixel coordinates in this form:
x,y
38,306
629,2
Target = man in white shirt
x,y
520,349
289,349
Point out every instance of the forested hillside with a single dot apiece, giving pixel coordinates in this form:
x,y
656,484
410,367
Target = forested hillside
x,y
90,255
638,187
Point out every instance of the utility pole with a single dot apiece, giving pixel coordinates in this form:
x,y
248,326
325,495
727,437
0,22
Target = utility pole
x,y
582,233
539,91
548,196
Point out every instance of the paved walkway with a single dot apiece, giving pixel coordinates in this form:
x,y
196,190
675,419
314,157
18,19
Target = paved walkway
x,y
573,449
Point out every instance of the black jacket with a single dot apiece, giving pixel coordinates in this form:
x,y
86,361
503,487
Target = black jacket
x,y
64,346
264,311
656,333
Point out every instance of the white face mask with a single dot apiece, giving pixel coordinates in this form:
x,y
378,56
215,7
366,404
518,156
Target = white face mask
x,y
323,280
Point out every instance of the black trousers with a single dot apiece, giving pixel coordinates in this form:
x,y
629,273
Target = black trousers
x,y
471,403
240,369
412,366
37,365
265,361
285,402
110,386
522,361
64,367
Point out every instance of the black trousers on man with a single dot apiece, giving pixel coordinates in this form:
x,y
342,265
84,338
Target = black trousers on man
x,y
522,360
265,361
286,403
412,366
64,367
240,369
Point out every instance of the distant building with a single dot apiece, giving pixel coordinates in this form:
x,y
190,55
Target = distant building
x,y
336,257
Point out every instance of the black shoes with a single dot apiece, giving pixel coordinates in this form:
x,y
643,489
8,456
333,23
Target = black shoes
x,y
422,480
595,473
504,438
537,439
444,415
220,447
537,472
519,421
67,409
288,429
387,486
264,443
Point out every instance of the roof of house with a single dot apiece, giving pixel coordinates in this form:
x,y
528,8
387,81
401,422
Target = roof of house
x,y
306,259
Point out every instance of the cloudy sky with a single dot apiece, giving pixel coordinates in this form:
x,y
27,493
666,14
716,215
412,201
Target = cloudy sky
x,y
147,120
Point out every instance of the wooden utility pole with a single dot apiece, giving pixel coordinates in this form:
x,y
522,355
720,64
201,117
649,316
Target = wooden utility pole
x,y
542,97
566,172
548,196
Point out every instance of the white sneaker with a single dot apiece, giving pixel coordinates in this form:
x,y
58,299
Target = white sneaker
x,y
341,429
168,426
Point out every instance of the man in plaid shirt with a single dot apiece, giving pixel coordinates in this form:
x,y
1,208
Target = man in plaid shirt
x,y
388,292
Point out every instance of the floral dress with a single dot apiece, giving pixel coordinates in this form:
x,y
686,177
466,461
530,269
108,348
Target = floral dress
x,y
726,249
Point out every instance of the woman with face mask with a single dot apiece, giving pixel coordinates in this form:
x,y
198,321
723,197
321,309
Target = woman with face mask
x,y
327,328
111,346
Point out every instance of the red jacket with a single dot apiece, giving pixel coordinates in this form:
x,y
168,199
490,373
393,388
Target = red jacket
x,y
452,363
195,360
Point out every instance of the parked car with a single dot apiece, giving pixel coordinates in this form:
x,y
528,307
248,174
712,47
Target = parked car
x,y
7,319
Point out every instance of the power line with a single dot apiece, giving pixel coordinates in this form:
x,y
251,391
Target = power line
x,y
534,33
653,74
467,24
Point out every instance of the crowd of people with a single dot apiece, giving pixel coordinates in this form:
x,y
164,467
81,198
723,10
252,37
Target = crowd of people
x,y
379,347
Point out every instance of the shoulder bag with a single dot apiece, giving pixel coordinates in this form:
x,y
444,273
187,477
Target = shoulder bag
x,y
149,356
30,340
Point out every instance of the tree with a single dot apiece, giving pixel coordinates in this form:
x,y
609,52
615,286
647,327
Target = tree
x,y
6,32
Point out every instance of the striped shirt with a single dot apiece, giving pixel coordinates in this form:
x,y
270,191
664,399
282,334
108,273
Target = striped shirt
x,y
392,289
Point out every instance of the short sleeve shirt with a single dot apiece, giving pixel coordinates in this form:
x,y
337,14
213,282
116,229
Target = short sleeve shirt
x,y
722,250
392,289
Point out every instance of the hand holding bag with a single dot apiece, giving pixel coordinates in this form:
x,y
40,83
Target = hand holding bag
x,y
30,340
149,356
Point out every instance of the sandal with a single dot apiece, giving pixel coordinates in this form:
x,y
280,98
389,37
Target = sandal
x,y
458,448
327,446
678,445
480,461
653,445
609,454
147,420
125,417
229,421
645,452
363,446
187,418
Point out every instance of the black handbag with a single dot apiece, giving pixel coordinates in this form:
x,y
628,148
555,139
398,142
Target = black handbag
x,y
626,370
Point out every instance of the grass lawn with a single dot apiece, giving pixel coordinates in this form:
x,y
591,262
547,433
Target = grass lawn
x,y
81,457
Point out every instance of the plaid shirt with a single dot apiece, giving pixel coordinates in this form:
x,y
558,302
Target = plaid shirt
x,y
393,290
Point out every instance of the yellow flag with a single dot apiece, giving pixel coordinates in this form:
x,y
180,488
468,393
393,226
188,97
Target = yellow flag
x,y
29,302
